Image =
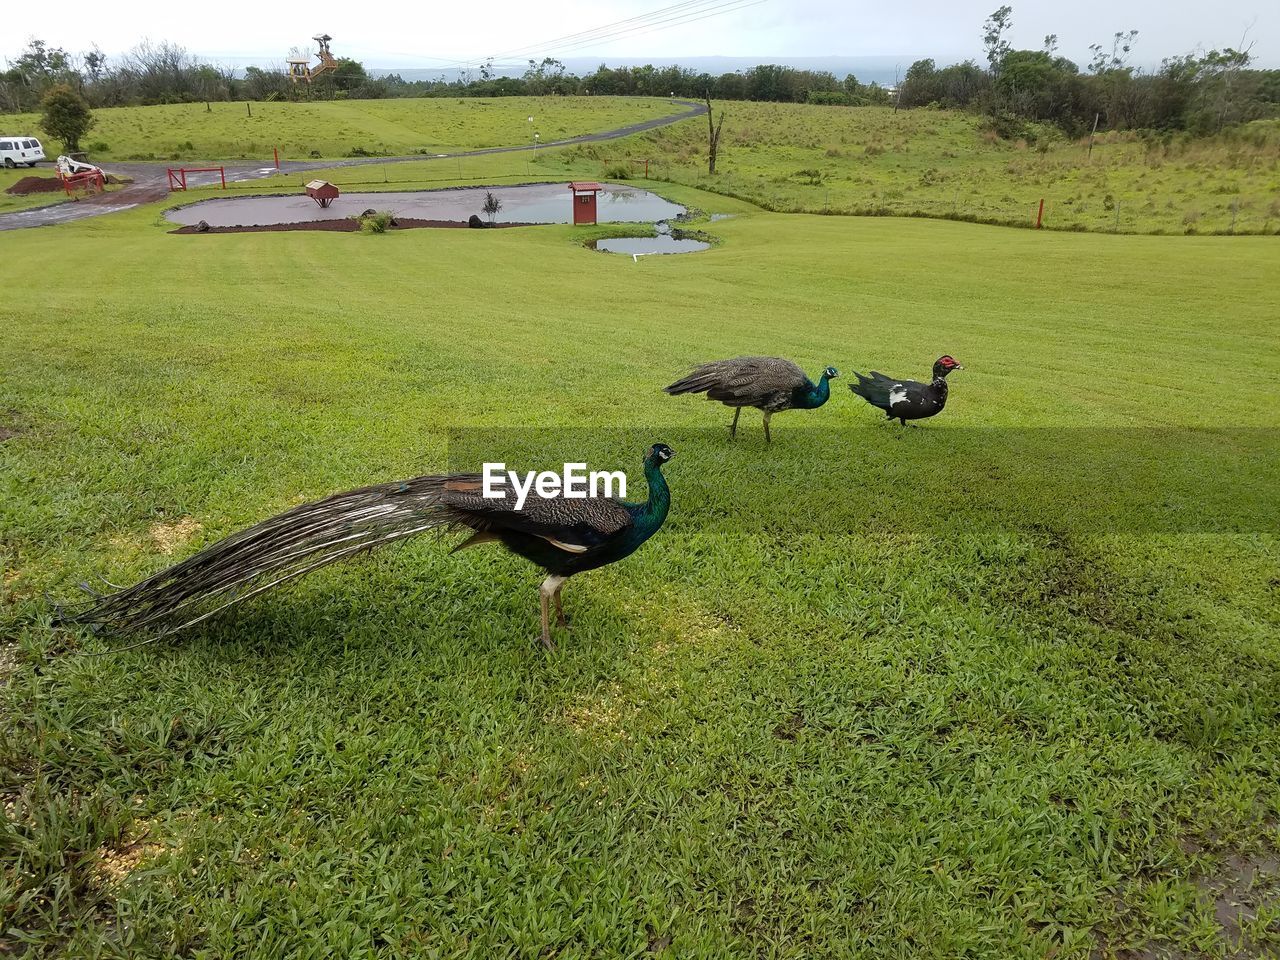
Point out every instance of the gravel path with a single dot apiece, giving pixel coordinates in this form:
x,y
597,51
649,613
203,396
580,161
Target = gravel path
x,y
150,180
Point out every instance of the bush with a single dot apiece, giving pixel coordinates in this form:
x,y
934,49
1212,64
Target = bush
x,y
830,98
1007,126
379,222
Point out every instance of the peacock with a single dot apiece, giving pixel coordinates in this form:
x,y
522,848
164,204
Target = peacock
x,y
562,535
771,384
907,399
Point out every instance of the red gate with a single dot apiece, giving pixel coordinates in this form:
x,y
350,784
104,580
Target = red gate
x,y
178,178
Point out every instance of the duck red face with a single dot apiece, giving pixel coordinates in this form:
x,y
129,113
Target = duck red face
x,y
948,363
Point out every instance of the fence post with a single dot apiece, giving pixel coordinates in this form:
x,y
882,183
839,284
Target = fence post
x,y
1040,215
276,151
222,171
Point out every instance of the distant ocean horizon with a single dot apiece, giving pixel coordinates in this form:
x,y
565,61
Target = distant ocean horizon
x,y
881,70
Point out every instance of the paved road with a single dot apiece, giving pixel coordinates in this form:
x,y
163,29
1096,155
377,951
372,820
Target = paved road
x,y
150,180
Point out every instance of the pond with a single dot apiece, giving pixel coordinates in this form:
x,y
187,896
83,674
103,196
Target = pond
x,y
644,246
525,203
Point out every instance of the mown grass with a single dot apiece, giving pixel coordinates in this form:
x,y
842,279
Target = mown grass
x,y
794,157
333,129
10,201
768,734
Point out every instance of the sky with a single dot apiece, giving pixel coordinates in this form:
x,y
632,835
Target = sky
x,y
410,33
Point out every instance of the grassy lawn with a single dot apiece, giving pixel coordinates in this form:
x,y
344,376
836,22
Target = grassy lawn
x,y
792,157
777,730
337,128
8,178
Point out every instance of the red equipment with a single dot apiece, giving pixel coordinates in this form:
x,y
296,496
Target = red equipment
x,y
90,182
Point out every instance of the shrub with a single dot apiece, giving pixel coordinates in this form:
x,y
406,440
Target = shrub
x,y
379,222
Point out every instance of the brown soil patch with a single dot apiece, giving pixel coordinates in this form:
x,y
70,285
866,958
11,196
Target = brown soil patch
x,y
116,863
1241,889
344,225
35,185
169,536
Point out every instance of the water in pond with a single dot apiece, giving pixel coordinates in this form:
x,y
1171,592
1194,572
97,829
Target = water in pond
x,y
640,246
529,203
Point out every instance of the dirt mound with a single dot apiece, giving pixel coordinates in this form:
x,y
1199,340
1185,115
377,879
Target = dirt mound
x,y
35,185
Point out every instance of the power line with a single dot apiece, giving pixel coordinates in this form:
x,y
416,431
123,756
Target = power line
x,y
609,27
664,18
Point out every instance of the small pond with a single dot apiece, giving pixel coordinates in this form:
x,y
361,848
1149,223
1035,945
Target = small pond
x,y
643,246
526,203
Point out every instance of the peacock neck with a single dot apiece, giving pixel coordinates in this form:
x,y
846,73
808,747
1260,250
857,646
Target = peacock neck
x,y
819,394
651,514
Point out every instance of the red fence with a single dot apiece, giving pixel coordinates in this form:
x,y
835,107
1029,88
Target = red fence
x,y
178,178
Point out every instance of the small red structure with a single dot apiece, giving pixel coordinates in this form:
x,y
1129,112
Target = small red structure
x,y
584,201
322,192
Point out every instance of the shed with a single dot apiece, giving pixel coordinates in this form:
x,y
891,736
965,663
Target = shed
x,y
584,201
322,192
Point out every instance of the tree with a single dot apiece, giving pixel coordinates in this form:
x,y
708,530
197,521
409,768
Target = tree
x,y
1121,43
993,41
713,138
491,205
66,116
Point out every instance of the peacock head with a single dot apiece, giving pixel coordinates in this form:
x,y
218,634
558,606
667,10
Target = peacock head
x,y
659,454
944,365
831,373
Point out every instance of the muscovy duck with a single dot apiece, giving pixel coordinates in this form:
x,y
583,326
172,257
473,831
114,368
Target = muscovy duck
x,y
907,399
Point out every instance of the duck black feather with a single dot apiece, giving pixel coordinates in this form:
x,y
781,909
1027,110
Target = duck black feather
x,y
907,399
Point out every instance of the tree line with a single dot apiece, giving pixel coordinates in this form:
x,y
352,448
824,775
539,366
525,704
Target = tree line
x,y
166,73
1200,92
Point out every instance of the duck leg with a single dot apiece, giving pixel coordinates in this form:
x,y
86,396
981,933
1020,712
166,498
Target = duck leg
x,y
733,427
550,587
767,438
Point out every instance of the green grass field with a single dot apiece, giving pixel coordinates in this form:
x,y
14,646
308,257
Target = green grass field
x,y
335,129
791,157
775,731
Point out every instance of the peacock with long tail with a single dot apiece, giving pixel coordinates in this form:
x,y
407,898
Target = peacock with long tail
x,y
907,399
562,535
770,384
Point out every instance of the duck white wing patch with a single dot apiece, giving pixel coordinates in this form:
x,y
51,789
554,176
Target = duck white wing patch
x,y
897,395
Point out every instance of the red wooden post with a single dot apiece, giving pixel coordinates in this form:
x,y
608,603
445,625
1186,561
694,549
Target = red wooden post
x,y
222,171
1040,215
276,151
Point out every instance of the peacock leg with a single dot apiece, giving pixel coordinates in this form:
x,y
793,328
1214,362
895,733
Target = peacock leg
x,y
550,588
733,427
767,438
560,617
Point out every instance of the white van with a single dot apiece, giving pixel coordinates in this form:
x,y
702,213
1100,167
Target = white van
x,y
18,150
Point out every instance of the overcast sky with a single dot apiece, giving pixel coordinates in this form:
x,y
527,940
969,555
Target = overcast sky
x,y
411,33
